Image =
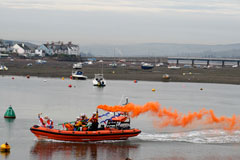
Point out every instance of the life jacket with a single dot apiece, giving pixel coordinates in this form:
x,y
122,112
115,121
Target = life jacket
x,y
69,127
49,123
78,123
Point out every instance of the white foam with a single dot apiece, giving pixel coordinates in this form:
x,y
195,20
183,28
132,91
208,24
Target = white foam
x,y
202,136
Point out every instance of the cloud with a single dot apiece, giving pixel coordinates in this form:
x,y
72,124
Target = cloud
x,y
231,7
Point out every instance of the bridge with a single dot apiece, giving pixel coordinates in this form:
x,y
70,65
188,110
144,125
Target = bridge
x,y
207,60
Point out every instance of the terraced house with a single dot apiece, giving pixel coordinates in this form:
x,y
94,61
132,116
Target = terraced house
x,y
58,48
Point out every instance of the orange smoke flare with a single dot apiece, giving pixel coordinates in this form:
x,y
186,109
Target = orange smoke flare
x,y
175,118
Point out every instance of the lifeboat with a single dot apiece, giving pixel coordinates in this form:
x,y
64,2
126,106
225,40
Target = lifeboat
x,y
84,136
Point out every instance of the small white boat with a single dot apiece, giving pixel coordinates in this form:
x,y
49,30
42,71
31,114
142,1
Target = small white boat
x,y
77,74
114,64
99,80
166,76
39,61
173,67
3,68
77,65
147,66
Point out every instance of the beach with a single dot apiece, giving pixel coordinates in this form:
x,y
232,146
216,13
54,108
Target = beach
x,y
59,69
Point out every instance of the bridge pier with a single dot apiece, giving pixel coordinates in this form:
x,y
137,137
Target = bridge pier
x,y
223,63
208,62
193,62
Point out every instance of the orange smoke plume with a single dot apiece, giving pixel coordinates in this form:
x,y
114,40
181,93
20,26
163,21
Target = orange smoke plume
x,y
175,118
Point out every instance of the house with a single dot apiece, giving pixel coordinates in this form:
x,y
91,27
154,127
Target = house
x,y
22,49
59,48
73,49
43,50
3,46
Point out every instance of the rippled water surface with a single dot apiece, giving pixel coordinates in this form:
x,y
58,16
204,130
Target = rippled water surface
x,y
54,98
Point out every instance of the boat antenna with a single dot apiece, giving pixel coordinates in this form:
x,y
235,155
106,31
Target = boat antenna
x,y
126,101
121,100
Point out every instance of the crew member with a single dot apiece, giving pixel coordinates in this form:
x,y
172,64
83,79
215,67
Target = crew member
x,y
84,119
94,121
77,124
41,120
49,123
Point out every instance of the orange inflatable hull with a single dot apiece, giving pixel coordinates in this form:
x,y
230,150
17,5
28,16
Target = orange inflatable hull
x,y
83,136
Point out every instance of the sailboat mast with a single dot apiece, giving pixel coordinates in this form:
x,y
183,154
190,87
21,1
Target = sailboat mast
x,y
102,67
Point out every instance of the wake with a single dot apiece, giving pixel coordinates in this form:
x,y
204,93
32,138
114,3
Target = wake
x,y
200,136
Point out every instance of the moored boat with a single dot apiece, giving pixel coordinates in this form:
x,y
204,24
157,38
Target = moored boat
x,y
173,67
147,66
166,76
77,74
3,68
99,80
77,65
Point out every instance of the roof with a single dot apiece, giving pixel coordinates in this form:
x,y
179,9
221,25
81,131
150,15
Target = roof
x,y
24,46
57,46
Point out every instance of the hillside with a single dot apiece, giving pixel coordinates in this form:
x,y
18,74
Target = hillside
x,y
164,49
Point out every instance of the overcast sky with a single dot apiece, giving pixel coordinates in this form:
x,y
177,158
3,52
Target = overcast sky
x,y
121,21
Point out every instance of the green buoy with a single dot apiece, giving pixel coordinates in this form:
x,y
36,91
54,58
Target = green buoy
x,y
9,113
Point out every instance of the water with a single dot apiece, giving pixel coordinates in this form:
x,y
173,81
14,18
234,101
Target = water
x,y
54,98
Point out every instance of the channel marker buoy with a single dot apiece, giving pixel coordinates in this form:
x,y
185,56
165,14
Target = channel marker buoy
x,y
9,113
5,147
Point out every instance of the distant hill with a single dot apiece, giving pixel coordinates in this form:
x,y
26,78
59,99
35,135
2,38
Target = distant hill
x,y
12,42
164,49
154,50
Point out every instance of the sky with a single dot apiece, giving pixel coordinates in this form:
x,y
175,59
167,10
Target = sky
x,y
121,21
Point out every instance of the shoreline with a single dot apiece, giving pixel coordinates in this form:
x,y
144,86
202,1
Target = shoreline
x,y
59,69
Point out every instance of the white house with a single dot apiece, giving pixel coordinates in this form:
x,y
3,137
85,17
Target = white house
x,y
73,49
22,49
